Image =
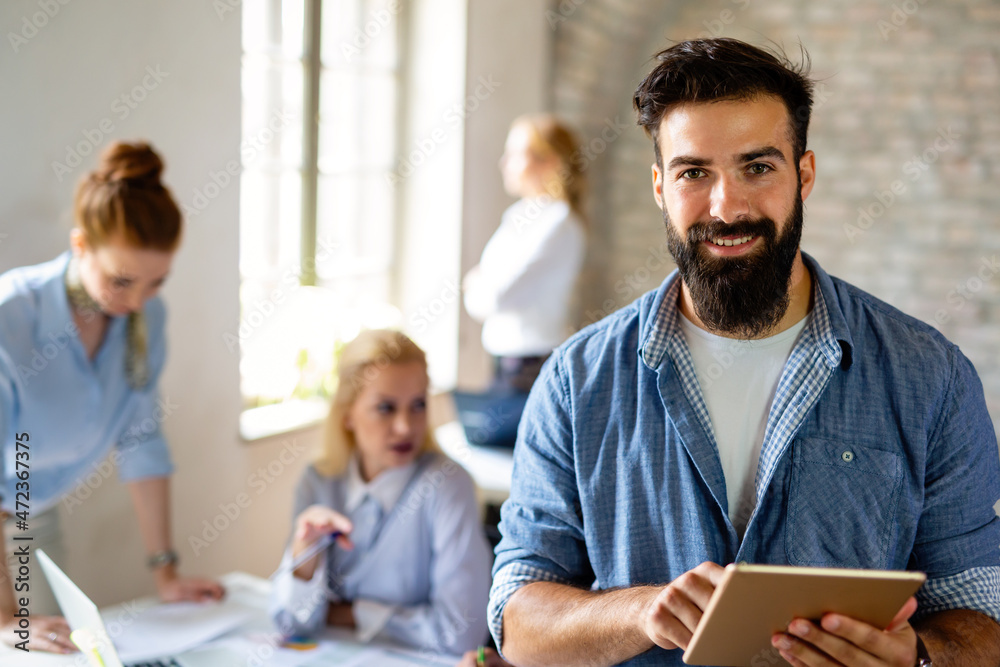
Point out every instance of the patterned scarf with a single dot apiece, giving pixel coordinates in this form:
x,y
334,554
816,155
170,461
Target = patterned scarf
x,y
136,359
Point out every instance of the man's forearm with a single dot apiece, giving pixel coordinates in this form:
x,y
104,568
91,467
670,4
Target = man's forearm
x,y
960,637
552,624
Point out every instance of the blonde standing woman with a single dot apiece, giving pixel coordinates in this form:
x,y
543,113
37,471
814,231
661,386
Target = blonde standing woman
x,y
81,352
409,561
523,287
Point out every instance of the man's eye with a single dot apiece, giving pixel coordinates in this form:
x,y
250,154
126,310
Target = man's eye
x,y
759,169
693,173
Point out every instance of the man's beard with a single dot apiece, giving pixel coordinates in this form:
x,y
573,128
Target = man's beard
x,y
740,296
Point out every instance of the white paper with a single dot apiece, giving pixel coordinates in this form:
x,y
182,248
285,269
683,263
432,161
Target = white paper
x,y
171,629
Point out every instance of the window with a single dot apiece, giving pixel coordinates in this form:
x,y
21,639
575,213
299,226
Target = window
x,y
318,233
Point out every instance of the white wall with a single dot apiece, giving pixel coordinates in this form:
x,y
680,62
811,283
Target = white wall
x,y
58,86
509,46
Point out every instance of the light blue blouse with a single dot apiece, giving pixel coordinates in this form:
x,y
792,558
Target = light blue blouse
x,y
423,579
72,409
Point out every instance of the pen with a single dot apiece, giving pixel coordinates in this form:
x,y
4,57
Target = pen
x,y
314,549
481,657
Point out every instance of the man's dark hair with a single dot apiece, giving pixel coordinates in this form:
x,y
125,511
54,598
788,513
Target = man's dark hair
x,y
712,70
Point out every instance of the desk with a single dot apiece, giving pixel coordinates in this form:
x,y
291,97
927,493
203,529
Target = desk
x,y
490,467
253,645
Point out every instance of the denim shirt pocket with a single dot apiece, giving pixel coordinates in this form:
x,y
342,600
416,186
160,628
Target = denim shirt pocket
x,y
842,501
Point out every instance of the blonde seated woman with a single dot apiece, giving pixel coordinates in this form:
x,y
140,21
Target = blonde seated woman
x,y
410,562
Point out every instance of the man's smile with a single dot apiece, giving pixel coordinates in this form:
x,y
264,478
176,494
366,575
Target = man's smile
x,y
729,246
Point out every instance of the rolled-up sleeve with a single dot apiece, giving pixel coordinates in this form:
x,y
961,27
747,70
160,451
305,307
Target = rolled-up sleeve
x,y
541,524
959,532
297,606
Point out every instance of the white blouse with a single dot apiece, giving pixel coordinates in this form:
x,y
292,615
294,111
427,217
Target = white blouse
x,y
526,279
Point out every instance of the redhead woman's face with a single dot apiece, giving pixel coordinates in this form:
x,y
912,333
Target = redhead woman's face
x,y
118,276
389,417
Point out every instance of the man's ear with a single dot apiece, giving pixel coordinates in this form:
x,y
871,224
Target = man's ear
x,y
807,173
657,185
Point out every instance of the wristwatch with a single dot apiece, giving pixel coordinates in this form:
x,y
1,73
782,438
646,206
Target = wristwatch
x,y
923,657
162,558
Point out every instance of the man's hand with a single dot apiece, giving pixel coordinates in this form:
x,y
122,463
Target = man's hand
x,y
679,606
844,641
48,633
193,589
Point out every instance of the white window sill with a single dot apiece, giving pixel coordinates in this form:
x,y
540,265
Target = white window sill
x,y
281,418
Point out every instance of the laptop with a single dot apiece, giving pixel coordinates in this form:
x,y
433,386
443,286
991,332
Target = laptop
x,y
490,419
91,635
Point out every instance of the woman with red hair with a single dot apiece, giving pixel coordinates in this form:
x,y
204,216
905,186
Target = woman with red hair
x,y
81,351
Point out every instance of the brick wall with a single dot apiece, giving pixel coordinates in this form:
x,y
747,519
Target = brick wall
x,y
906,131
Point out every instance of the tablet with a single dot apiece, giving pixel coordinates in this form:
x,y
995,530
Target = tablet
x,y
752,602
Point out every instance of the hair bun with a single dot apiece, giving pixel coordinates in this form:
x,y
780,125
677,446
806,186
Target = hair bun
x,y
135,163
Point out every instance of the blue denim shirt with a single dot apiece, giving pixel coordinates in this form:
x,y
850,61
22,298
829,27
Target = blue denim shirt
x,y
878,453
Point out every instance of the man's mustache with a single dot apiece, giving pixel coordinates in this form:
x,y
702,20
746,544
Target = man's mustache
x,y
706,231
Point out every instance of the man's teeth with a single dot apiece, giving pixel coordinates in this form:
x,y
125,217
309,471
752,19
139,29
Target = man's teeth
x,y
739,241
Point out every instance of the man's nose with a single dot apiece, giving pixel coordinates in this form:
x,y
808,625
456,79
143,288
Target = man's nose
x,y
730,200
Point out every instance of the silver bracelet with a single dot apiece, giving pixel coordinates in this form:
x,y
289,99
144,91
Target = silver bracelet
x,y
162,558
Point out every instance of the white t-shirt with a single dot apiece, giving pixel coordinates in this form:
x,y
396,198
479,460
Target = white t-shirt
x,y
527,274
738,379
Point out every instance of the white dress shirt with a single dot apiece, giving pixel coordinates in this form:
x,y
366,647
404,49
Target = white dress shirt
x,y
527,274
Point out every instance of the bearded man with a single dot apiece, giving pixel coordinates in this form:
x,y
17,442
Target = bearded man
x,y
752,408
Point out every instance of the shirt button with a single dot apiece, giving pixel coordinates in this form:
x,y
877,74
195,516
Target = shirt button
x,y
848,456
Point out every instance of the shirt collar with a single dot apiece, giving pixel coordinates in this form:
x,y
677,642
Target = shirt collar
x,y
386,488
55,316
53,308
827,325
